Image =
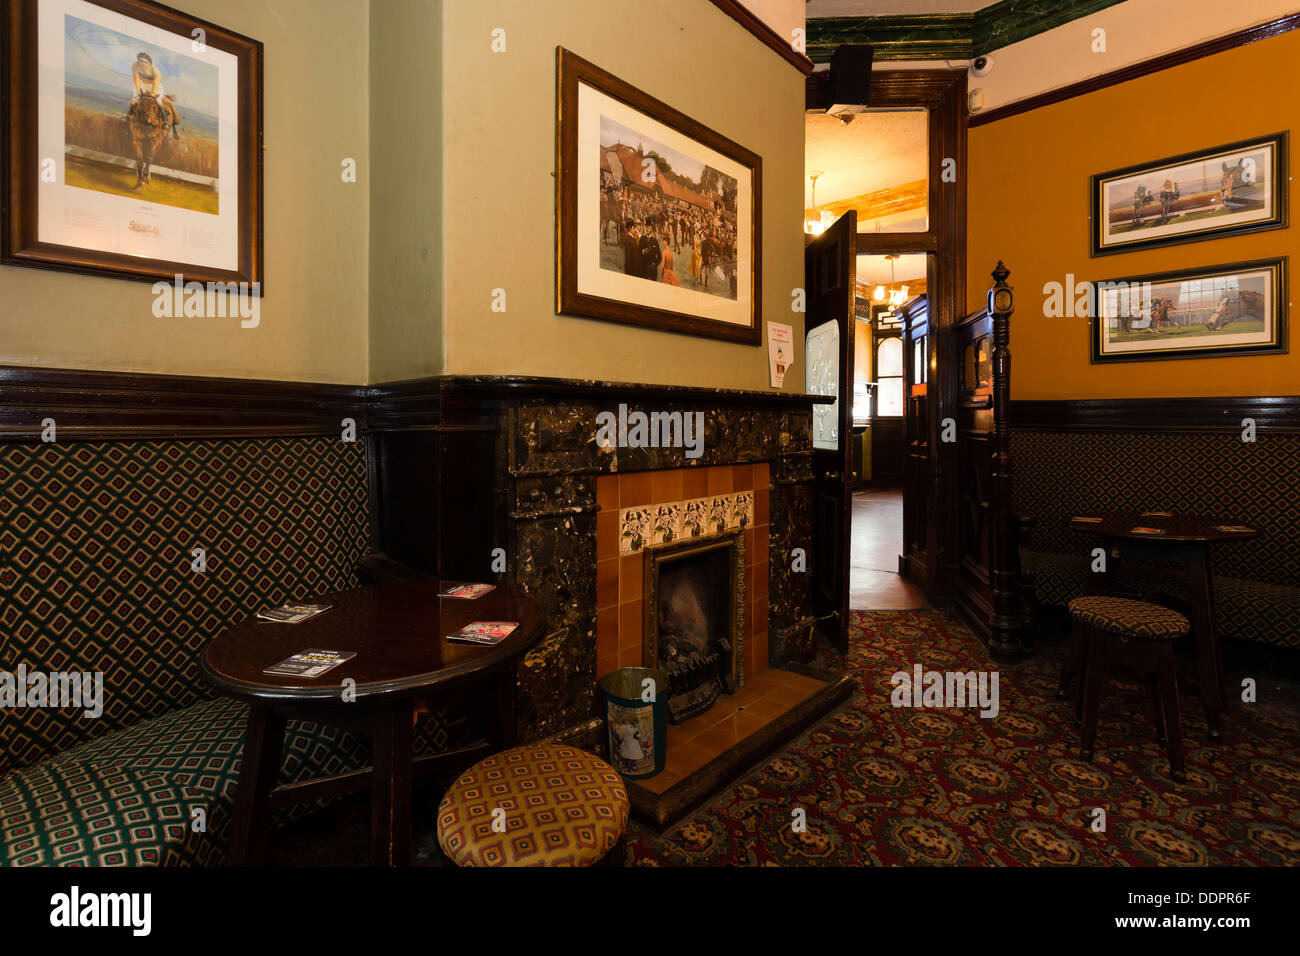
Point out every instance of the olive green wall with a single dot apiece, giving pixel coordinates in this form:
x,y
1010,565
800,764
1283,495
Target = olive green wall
x,y
313,317
499,159
406,187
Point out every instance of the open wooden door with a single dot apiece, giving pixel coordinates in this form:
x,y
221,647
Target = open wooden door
x,y
830,274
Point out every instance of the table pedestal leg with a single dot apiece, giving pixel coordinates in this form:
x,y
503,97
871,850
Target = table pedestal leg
x,y
258,770
390,794
503,731
1209,667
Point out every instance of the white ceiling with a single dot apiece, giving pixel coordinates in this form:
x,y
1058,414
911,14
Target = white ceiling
x,y
874,270
890,8
876,151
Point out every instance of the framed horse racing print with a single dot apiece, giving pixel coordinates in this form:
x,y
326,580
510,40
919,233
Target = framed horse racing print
x,y
659,219
1240,187
133,139
1197,313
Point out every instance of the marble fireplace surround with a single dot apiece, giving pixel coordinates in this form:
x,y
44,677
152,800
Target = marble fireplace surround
x,y
550,500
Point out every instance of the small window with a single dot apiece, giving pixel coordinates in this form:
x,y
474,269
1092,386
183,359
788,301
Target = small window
x,y
889,378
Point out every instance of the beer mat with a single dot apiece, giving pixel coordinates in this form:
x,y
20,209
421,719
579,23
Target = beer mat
x,y
310,663
291,613
1087,520
1156,514
1143,530
484,632
1233,527
467,592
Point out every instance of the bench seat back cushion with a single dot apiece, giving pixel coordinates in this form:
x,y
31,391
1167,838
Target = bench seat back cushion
x,y
98,553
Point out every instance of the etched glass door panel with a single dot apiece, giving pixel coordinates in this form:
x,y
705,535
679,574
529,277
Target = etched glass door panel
x,y
822,377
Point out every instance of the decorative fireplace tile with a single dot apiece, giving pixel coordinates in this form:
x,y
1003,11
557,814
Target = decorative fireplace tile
x,y
667,524
742,510
634,527
719,515
695,516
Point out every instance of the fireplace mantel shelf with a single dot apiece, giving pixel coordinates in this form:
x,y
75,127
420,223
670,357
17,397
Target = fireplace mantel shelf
x,y
538,386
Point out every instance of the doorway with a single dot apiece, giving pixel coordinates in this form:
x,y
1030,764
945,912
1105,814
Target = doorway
x,y
899,168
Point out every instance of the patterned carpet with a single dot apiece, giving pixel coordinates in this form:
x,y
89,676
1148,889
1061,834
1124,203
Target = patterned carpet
x,y
884,785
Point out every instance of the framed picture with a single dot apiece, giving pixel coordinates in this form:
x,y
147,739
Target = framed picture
x,y
133,142
1198,313
659,217
1240,187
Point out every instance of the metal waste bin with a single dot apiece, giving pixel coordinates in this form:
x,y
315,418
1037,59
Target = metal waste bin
x,y
636,714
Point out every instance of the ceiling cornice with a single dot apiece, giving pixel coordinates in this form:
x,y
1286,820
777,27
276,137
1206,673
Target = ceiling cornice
x,y
947,36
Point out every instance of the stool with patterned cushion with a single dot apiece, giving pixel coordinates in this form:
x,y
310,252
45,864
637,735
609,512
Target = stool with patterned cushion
x,y
559,807
1124,631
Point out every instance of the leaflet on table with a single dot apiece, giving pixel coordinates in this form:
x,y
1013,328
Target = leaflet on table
x,y
467,591
310,663
484,632
291,613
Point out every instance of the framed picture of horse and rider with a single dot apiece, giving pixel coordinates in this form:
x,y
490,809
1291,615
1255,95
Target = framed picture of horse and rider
x,y
1216,310
133,142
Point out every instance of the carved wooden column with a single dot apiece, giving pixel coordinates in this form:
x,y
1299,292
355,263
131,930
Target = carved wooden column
x,y
1004,641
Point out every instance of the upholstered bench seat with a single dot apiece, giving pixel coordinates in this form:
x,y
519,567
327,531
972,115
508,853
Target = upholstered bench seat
x,y
560,807
1245,609
129,798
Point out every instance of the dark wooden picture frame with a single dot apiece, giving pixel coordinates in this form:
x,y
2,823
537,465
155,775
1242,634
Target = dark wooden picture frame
x,y
573,71
1278,172
1231,311
20,161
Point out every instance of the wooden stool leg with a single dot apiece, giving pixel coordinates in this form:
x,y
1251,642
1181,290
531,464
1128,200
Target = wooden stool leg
x,y
1074,652
258,770
1157,707
1093,678
1168,679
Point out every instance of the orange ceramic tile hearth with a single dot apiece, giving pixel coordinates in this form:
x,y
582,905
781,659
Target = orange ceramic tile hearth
x,y
620,580
767,696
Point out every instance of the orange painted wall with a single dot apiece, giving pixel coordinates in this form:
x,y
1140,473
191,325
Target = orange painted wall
x,y
1029,205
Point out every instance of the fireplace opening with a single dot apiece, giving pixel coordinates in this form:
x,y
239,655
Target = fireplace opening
x,y
695,599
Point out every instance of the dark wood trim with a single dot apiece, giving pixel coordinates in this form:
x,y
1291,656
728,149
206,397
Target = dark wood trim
x,y
1263,31
1278,414
131,405
87,404
765,34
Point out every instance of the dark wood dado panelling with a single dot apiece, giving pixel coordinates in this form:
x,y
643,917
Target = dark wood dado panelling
x,y
127,405
1278,414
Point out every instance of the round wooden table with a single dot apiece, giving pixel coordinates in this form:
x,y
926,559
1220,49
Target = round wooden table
x,y
1181,539
403,662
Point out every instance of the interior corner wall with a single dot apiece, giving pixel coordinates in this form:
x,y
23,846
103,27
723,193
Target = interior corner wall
x,y
1029,206
313,315
499,159
406,189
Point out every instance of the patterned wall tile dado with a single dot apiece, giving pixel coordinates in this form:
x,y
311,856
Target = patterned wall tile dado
x,y
662,523
96,543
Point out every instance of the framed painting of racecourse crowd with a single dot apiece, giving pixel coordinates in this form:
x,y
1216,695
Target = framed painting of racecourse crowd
x,y
1239,187
659,219
133,142
1192,313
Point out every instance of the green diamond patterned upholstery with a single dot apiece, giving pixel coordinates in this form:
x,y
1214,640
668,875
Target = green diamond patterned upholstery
x,y
1257,582
127,798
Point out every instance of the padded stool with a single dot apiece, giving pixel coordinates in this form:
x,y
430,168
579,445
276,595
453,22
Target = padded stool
x,y
1123,631
563,807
